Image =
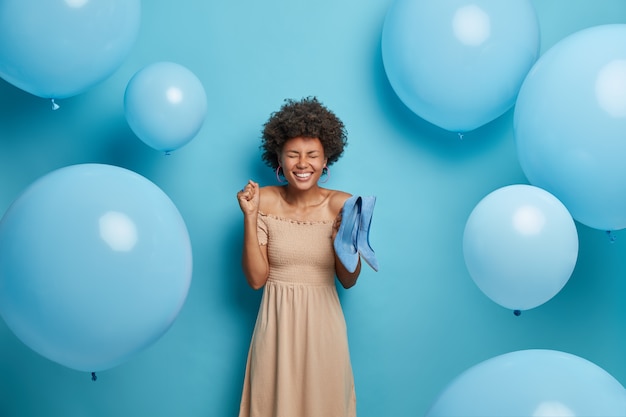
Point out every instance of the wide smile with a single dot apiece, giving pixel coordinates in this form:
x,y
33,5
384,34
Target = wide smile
x,y
302,176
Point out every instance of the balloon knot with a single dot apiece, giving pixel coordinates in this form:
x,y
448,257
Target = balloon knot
x,y
517,312
460,135
55,106
611,236
93,376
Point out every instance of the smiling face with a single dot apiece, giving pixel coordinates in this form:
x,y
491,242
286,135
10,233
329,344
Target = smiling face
x,y
303,161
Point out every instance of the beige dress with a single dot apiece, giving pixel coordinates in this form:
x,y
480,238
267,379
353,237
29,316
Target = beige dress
x,y
298,362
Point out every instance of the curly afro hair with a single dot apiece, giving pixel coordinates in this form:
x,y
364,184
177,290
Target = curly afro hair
x,y
305,118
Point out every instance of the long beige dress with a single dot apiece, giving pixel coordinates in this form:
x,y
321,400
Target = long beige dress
x,y
298,362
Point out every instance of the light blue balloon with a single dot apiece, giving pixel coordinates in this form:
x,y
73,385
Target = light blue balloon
x,y
165,105
520,246
535,382
95,265
58,49
569,124
459,64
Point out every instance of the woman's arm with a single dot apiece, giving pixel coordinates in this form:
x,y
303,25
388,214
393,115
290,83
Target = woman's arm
x,y
254,257
347,279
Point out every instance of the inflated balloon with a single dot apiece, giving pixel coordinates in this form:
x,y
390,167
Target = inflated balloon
x,y
95,265
536,382
459,64
165,105
58,49
569,124
520,246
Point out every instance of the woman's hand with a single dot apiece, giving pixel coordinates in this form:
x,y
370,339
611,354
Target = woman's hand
x,y
336,225
248,198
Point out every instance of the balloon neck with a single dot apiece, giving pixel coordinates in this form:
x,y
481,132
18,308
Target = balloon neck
x,y
55,106
94,377
517,312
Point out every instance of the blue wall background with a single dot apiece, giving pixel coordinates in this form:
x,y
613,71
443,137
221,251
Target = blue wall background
x,y
413,326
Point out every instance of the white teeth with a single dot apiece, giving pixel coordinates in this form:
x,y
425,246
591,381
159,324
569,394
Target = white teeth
x,y
307,175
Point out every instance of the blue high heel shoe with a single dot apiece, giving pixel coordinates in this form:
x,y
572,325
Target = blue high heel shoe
x,y
363,235
345,243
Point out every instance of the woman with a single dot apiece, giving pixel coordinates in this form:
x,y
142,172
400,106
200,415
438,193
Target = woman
x,y
299,362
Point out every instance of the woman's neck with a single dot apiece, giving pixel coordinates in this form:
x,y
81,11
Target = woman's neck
x,y
304,199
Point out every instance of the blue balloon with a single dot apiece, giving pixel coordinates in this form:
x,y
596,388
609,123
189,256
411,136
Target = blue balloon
x,y
535,382
569,124
95,265
459,64
520,246
58,49
165,105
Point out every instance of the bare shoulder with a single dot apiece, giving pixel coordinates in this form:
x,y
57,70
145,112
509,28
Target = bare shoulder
x,y
337,199
268,198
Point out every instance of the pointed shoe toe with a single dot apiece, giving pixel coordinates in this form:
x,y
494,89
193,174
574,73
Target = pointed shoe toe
x,y
363,238
345,243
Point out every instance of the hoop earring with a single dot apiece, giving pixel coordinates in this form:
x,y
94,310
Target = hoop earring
x,y
327,175
280,181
